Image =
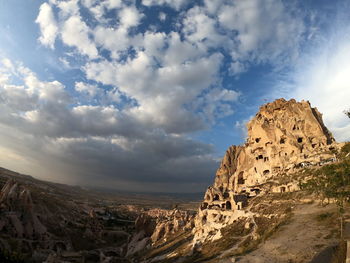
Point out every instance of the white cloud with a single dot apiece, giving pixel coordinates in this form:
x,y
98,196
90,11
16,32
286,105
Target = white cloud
x,y
266,30
89,89
103,71
113,3
162,16
99,8
68,8
114,95
65,62
8,64
179,51
48,25
75,33
25,97
110,4
114,40
217,103
201,29
92,93
129,17
154,44
176,4
237,68
213,6
224,95
52,91
161,93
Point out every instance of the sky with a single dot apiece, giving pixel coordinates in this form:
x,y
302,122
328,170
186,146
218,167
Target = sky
x,y
147,95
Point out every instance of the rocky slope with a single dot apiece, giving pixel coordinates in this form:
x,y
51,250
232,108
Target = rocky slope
x,y
45,222
156,226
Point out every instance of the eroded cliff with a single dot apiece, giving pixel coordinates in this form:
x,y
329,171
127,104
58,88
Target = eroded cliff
x,y
283,137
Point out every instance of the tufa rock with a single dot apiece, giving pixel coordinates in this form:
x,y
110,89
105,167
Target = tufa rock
x,y
283,137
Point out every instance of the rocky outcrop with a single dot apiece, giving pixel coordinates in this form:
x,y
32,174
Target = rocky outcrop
x,y
156,225
171,223
19,219
46,226
283,137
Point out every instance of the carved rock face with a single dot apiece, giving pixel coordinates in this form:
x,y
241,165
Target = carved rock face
x,y
282,137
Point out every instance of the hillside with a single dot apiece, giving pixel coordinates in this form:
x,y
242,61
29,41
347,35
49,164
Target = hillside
x,y
40,220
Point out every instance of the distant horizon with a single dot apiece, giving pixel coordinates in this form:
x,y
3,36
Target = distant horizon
x,y
106,190
147,95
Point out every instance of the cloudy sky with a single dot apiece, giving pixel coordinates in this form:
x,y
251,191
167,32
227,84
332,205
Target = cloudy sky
x,y
146,95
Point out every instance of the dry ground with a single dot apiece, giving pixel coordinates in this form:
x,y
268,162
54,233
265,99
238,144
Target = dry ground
x,y
312,228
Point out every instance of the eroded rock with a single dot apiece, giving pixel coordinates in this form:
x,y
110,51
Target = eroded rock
x,y
283,137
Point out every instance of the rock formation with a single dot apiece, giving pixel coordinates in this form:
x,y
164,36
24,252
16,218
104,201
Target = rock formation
x,y
19,218
156,225
171,223
283,137
44,224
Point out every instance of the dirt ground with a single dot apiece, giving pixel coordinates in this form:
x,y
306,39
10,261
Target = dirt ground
x,y
312,229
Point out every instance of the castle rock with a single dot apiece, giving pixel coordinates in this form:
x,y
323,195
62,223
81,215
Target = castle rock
x,y
283,137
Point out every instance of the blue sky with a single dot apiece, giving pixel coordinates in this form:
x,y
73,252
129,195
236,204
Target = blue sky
x,y
147,95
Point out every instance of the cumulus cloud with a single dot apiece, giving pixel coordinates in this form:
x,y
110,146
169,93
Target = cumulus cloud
x,y
176,4
202,29
113,40
163,94
264,29
129,17
68,8
252,32
75,33
48,25
89,89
